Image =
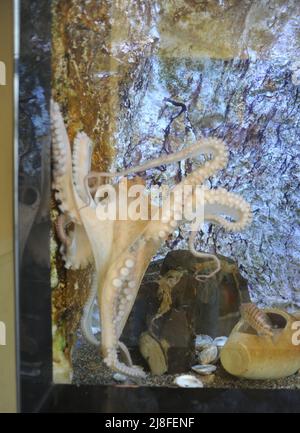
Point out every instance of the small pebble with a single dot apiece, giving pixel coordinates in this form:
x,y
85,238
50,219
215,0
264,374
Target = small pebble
x,y
119,377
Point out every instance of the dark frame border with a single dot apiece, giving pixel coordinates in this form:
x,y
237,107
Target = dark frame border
x,y
38,394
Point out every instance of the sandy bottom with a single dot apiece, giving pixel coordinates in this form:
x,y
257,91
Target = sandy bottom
x,y
90,370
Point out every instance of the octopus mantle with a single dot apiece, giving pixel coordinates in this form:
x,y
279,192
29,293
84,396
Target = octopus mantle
x,y
121,250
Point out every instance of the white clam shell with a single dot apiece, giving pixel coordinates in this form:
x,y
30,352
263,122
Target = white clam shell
x,y
209,355
205,370
220,341
188,381
202,340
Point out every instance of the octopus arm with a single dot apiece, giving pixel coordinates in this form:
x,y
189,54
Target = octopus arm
x,y
69,173
227,209
205,146
77,253
82,156
230,211
62,161
87,317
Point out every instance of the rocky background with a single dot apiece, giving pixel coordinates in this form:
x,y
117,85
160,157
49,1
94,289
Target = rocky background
x,y
233,68
254,106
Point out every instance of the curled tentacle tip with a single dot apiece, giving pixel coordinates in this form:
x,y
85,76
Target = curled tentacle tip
x,y
203,278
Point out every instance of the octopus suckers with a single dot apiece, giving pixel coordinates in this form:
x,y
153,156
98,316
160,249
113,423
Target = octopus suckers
x,y
178,216
162,234
117,282
129,263
124,272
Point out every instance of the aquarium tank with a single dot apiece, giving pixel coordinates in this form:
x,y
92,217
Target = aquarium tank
x,y
159,193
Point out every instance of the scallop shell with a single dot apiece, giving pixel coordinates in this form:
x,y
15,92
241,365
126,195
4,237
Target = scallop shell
x,y
209,355
202,340
203,369
188,381
220,341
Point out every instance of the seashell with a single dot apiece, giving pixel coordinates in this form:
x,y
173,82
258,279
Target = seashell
x,y
202,340
203,369
209,355
118,377
220,341
188,381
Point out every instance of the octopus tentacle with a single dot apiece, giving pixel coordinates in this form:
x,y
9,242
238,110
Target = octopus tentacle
x,y
110,351
202,277
211,146
125,351
77,253
75,248
81,159
219,203
62,160
129,288
60,224
207,146
112,361
86,320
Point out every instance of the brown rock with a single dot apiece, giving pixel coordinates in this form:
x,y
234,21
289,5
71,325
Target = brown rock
x,y
173,306
171,329
153,353
218,298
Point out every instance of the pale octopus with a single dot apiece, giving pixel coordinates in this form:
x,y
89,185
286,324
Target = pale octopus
x,y
122,250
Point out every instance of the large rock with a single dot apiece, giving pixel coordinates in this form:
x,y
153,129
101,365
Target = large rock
x,y
230,28
172,306
161,325
218,298
168,345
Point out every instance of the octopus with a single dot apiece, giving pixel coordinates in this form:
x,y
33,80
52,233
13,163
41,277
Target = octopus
x,y
121,249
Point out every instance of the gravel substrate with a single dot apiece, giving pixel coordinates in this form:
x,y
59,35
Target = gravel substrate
x,y
90,370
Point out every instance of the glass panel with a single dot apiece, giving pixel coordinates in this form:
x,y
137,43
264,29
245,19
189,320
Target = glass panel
x,y
200,100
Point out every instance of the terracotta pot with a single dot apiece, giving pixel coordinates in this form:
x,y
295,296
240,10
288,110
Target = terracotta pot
x,y
253,356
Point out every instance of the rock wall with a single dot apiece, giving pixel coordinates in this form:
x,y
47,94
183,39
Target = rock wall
x,y
232,65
